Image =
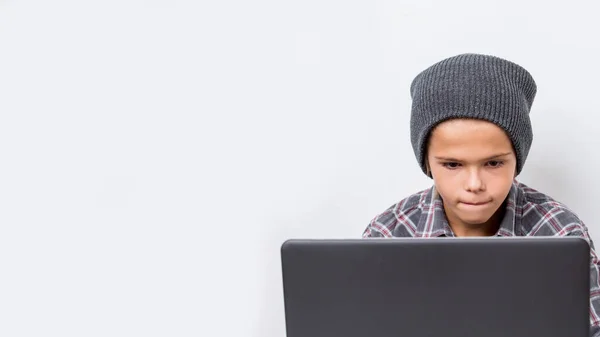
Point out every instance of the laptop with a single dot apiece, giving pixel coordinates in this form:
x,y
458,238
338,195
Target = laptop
x,y
451,287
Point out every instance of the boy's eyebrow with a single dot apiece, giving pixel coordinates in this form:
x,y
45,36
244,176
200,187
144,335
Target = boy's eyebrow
x,y
486,159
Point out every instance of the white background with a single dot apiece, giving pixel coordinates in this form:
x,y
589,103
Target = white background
x,y
155,154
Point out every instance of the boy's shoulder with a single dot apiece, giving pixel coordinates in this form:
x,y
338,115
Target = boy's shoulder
x,y
541,215
401,219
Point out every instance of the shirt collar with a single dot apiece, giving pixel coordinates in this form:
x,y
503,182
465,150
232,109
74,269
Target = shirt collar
x,y
433,222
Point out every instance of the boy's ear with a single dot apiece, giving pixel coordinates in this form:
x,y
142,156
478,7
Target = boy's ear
x,y
427,168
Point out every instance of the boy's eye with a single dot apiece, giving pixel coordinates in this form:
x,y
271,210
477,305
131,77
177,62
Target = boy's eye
x,y
451,165
495,163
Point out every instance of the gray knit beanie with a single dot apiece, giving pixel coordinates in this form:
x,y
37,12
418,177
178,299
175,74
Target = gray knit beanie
x,y
473,86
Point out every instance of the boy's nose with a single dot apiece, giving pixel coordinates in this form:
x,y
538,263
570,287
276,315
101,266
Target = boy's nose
x,y
474,183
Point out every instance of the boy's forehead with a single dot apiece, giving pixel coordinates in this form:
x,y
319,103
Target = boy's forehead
x,y
469,138
464,123
471,128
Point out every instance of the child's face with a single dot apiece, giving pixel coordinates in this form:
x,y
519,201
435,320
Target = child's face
x,y
473,166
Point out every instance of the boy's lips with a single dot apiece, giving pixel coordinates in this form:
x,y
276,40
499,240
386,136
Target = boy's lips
x,y
475,203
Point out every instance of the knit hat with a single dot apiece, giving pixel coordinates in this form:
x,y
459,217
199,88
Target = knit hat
x,y
473,86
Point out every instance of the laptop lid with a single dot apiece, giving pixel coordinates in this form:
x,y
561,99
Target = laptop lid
x,y
451,287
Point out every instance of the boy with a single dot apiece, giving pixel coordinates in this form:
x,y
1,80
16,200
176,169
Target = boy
x,y
471,133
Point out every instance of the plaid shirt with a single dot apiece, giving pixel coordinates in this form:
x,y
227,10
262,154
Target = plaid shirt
x,y
528,213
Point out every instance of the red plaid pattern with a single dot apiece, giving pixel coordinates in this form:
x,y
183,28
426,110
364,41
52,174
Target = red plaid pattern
x,y
528,213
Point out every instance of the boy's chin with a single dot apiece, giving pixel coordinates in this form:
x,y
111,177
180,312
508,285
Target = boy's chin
x,y
475,220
